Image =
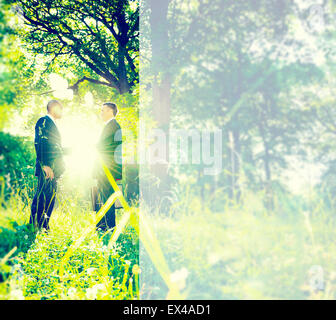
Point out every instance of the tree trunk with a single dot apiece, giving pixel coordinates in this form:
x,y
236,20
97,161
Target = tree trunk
x,y
122,74
161,87
267,165
234,149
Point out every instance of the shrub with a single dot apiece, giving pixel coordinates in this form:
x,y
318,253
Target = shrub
x,y
16,164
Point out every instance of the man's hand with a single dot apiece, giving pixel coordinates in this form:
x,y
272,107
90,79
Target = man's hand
x,y
48,172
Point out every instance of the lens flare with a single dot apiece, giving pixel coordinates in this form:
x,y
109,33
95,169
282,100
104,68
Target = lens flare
x,y
80,136
60,87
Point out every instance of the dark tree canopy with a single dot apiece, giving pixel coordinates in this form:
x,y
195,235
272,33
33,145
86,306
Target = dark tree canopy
x,y
102,34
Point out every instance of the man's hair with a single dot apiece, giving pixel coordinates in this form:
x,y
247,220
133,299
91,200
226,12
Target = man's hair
x,y
112,106
52,103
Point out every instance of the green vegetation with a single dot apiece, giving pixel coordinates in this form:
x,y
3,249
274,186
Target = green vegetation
x,y
17,164
92,272
244,251
260,72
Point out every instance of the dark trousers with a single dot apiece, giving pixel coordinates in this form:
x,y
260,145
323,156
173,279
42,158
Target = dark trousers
x,y
43,202
105,190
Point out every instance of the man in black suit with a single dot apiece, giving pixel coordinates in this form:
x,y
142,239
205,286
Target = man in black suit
x,y
109,148
49,165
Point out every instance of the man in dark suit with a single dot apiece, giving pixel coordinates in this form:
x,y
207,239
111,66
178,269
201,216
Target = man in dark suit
x,y
109,148
49,165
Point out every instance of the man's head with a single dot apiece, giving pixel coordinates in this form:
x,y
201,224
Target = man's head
x,y
108,111
55,109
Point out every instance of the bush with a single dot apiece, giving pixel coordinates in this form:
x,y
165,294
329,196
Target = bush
x,y
17,158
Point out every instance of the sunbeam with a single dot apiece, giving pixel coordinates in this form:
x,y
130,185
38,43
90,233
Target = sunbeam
x,y
80,136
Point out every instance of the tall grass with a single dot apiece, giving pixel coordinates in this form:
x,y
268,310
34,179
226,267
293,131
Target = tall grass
x,y
233,251
245,251
93,270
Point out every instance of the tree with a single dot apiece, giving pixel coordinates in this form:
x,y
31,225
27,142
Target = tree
x,y
220,74
12,62
101,34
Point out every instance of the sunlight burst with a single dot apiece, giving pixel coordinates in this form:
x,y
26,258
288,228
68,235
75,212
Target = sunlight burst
x,y
60,86
81,139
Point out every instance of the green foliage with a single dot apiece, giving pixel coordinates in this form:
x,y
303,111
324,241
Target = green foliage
x,y
13,75
245,251
15,235
93,271
270,107
102,35
17,163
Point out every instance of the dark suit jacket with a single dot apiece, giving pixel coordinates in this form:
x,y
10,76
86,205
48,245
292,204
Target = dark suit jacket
x,y
109,148
48,147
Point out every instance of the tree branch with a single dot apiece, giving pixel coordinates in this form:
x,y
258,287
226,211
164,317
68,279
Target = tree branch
x,y
74,87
